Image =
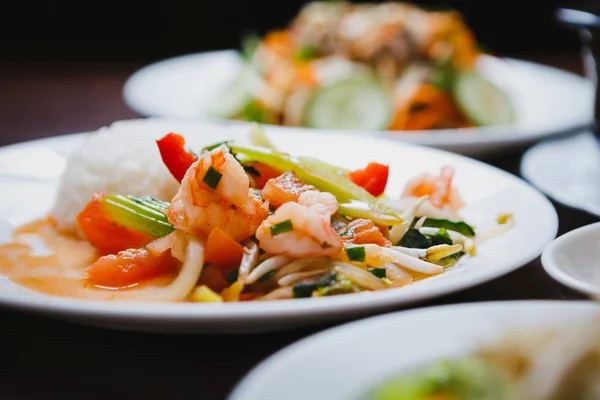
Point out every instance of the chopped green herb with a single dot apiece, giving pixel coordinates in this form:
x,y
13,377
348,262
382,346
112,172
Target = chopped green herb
x,y
378,272
306,289
282,227
232,276
212,177
356,253
460,227
251,170
268,275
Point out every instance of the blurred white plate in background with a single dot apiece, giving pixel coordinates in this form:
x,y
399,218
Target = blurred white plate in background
x,y
547,100
347,362
567,170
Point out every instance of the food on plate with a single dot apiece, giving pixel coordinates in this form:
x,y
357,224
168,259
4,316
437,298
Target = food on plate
x,y
234,221
543,365
386,66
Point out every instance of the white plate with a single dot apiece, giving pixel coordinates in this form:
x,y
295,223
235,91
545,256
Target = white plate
x,y
547,100
574,259
566,169
346,362
487,191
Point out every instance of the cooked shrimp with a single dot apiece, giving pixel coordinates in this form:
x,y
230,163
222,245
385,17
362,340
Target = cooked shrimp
x,y
311,234
438,188
286,187
215,192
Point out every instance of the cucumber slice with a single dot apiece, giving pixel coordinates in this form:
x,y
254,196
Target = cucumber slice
x,y
482,101
237,94
349,104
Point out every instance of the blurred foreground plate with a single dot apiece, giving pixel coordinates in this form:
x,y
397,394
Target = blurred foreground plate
x,y
547,100
349,361
487,192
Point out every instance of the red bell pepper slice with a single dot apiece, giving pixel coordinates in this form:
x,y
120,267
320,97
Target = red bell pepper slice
x,y
173,153
373,178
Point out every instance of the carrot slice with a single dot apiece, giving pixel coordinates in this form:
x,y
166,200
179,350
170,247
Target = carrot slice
x,y
107,236
222,250
129,267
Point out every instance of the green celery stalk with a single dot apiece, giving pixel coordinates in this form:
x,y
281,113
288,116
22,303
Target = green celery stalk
x,y
141,214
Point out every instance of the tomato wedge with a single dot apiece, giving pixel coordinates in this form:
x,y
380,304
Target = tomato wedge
x,y
103,233
173,153
373,178
129,267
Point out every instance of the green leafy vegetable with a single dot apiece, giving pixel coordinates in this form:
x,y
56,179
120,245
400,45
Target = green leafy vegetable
x,y
466,379
378,272
356,253
141,214
212,177
416,240
460,227
306,289
282,227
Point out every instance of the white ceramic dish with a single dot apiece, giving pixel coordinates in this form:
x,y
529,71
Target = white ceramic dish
x,y
30,184
574,259
346,362
566,169
548,101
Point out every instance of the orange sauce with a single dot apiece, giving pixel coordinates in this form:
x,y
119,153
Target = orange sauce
x,y
43,259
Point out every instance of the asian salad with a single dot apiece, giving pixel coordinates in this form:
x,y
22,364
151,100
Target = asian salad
x,y
384,66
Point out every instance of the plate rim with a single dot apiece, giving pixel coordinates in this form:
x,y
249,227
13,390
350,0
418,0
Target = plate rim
x,y
525,168
443,137
278,357
550,265
271,310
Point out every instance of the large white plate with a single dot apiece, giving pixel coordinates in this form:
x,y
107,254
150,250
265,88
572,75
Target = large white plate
x,y
566,169
346,362
547,100
28,180
572,259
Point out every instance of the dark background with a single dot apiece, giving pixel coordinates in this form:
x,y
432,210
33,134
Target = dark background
x,y
136,31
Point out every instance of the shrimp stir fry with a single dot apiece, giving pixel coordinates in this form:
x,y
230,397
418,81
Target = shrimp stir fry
x,y
254,223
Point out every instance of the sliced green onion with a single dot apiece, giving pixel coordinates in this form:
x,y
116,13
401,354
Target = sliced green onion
x,y
356,253
212,177
232,276
306,289
378,272
282,227
141,214
266,276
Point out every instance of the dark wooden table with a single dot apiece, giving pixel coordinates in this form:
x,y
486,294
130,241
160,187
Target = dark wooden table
x,y
42,358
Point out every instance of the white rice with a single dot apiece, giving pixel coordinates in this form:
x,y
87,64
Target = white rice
x,y
123,158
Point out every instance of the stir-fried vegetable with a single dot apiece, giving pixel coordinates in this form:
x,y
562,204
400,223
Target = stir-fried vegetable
x,y
106,234
221,250
354,200
129,267
464,379
174,155
141,214
373,178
